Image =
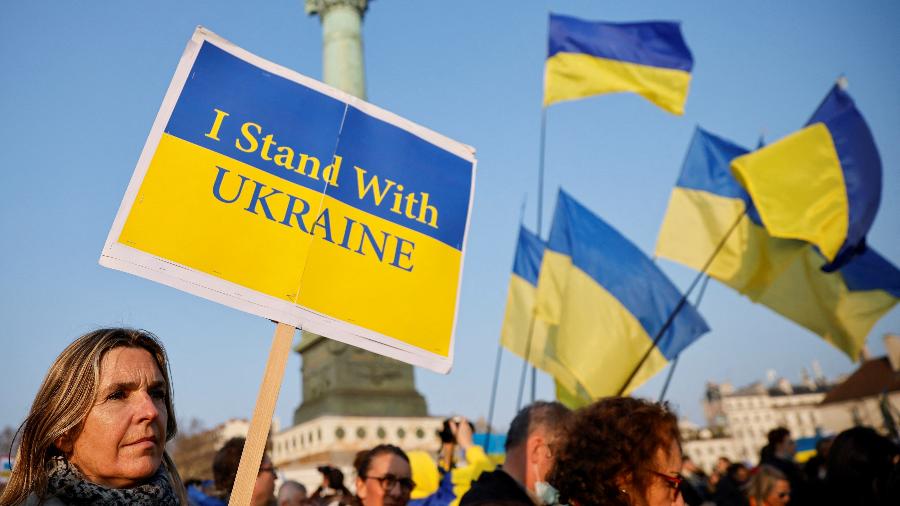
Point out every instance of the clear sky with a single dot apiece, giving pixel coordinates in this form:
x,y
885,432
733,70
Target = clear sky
x,y
81,83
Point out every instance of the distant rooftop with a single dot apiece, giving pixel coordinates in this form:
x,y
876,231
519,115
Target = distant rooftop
x,y
872,378
780,390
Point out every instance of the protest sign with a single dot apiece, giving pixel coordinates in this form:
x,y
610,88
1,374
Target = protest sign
x,y
275,194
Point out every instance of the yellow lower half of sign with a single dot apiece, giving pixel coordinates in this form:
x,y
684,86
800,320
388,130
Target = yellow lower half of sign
x,y
222,217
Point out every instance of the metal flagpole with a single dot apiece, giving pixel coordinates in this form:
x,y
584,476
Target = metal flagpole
x,y
490,420
665,388
540,215
540,212
681,302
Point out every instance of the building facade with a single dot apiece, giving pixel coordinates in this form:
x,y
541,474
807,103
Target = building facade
x,y
740,419
870,396
335,440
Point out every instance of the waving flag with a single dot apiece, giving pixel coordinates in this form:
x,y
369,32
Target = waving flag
x,y
608,301
519,325
588,58
783,274
821,184
521,328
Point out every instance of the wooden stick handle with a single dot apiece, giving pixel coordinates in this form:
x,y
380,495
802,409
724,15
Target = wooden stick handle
x,y
262,416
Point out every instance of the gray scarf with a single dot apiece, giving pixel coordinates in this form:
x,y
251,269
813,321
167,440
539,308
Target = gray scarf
x,y
67,483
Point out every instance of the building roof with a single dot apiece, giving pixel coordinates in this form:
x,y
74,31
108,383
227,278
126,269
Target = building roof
x,y
758,389
800,390
872,378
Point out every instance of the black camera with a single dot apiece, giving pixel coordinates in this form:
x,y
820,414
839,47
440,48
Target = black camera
x,y
334,475
446,434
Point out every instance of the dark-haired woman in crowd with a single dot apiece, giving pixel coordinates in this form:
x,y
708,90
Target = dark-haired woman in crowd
x,y
98,427
863,468
620,451
383,477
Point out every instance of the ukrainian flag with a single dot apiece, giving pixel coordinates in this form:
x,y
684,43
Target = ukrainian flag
x,y
519,322
520,325
608,302
783,274
821,184
588,58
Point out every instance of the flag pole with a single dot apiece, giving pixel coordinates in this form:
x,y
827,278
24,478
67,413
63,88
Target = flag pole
x,y
665,388
681,302
525,364
540,214
490,419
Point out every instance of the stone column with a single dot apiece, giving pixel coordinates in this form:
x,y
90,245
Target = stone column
x,y
339,379
342,52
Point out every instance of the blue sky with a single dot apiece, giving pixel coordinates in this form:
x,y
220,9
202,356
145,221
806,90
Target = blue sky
x,y
81,83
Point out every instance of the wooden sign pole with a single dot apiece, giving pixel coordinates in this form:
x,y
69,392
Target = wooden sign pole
x,y
262,416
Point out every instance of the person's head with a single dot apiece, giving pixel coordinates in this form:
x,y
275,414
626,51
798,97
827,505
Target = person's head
x,y
106,407
688,466
225,468
823,447
620,451
781,443
769,487
332,478
860,466
722,464
291,493
383,476
532,439
738,473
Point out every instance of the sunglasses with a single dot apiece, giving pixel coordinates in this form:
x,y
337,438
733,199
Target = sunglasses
x,y
268,469
389,481
674,482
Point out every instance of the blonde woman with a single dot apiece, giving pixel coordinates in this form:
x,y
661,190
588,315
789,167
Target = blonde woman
x,y
768,487
98,426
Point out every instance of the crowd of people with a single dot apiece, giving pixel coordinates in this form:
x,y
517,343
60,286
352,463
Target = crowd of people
x,y
97,430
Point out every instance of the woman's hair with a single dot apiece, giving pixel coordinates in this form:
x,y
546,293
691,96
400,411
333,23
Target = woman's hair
x,y
63,401
861,468
611,440
762,482
364,459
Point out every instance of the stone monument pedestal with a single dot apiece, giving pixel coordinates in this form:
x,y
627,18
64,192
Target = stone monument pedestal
x,y
343,380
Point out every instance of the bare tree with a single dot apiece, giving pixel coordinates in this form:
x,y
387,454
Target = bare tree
x,y
193,449
9,442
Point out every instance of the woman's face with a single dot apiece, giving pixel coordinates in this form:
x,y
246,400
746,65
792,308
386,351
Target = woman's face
x,y
662,489
780,494
374,490
121,441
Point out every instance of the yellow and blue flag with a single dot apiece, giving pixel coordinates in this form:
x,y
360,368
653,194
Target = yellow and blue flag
x,y
821,184
519,326
608,302
526,335
783,274
588,58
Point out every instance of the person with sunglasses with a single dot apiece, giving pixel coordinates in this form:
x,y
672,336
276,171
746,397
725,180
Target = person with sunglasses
x,y
620,451
768,487
383,477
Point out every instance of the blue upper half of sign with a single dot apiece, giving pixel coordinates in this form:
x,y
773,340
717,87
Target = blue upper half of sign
x,y
302,121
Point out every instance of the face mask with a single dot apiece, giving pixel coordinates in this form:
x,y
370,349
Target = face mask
x,y
546,493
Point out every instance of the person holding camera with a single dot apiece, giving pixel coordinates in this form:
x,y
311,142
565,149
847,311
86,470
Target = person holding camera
x,y
460,462
332,489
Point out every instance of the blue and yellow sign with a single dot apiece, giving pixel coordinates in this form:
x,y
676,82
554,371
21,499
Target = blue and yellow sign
x,y
270,192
